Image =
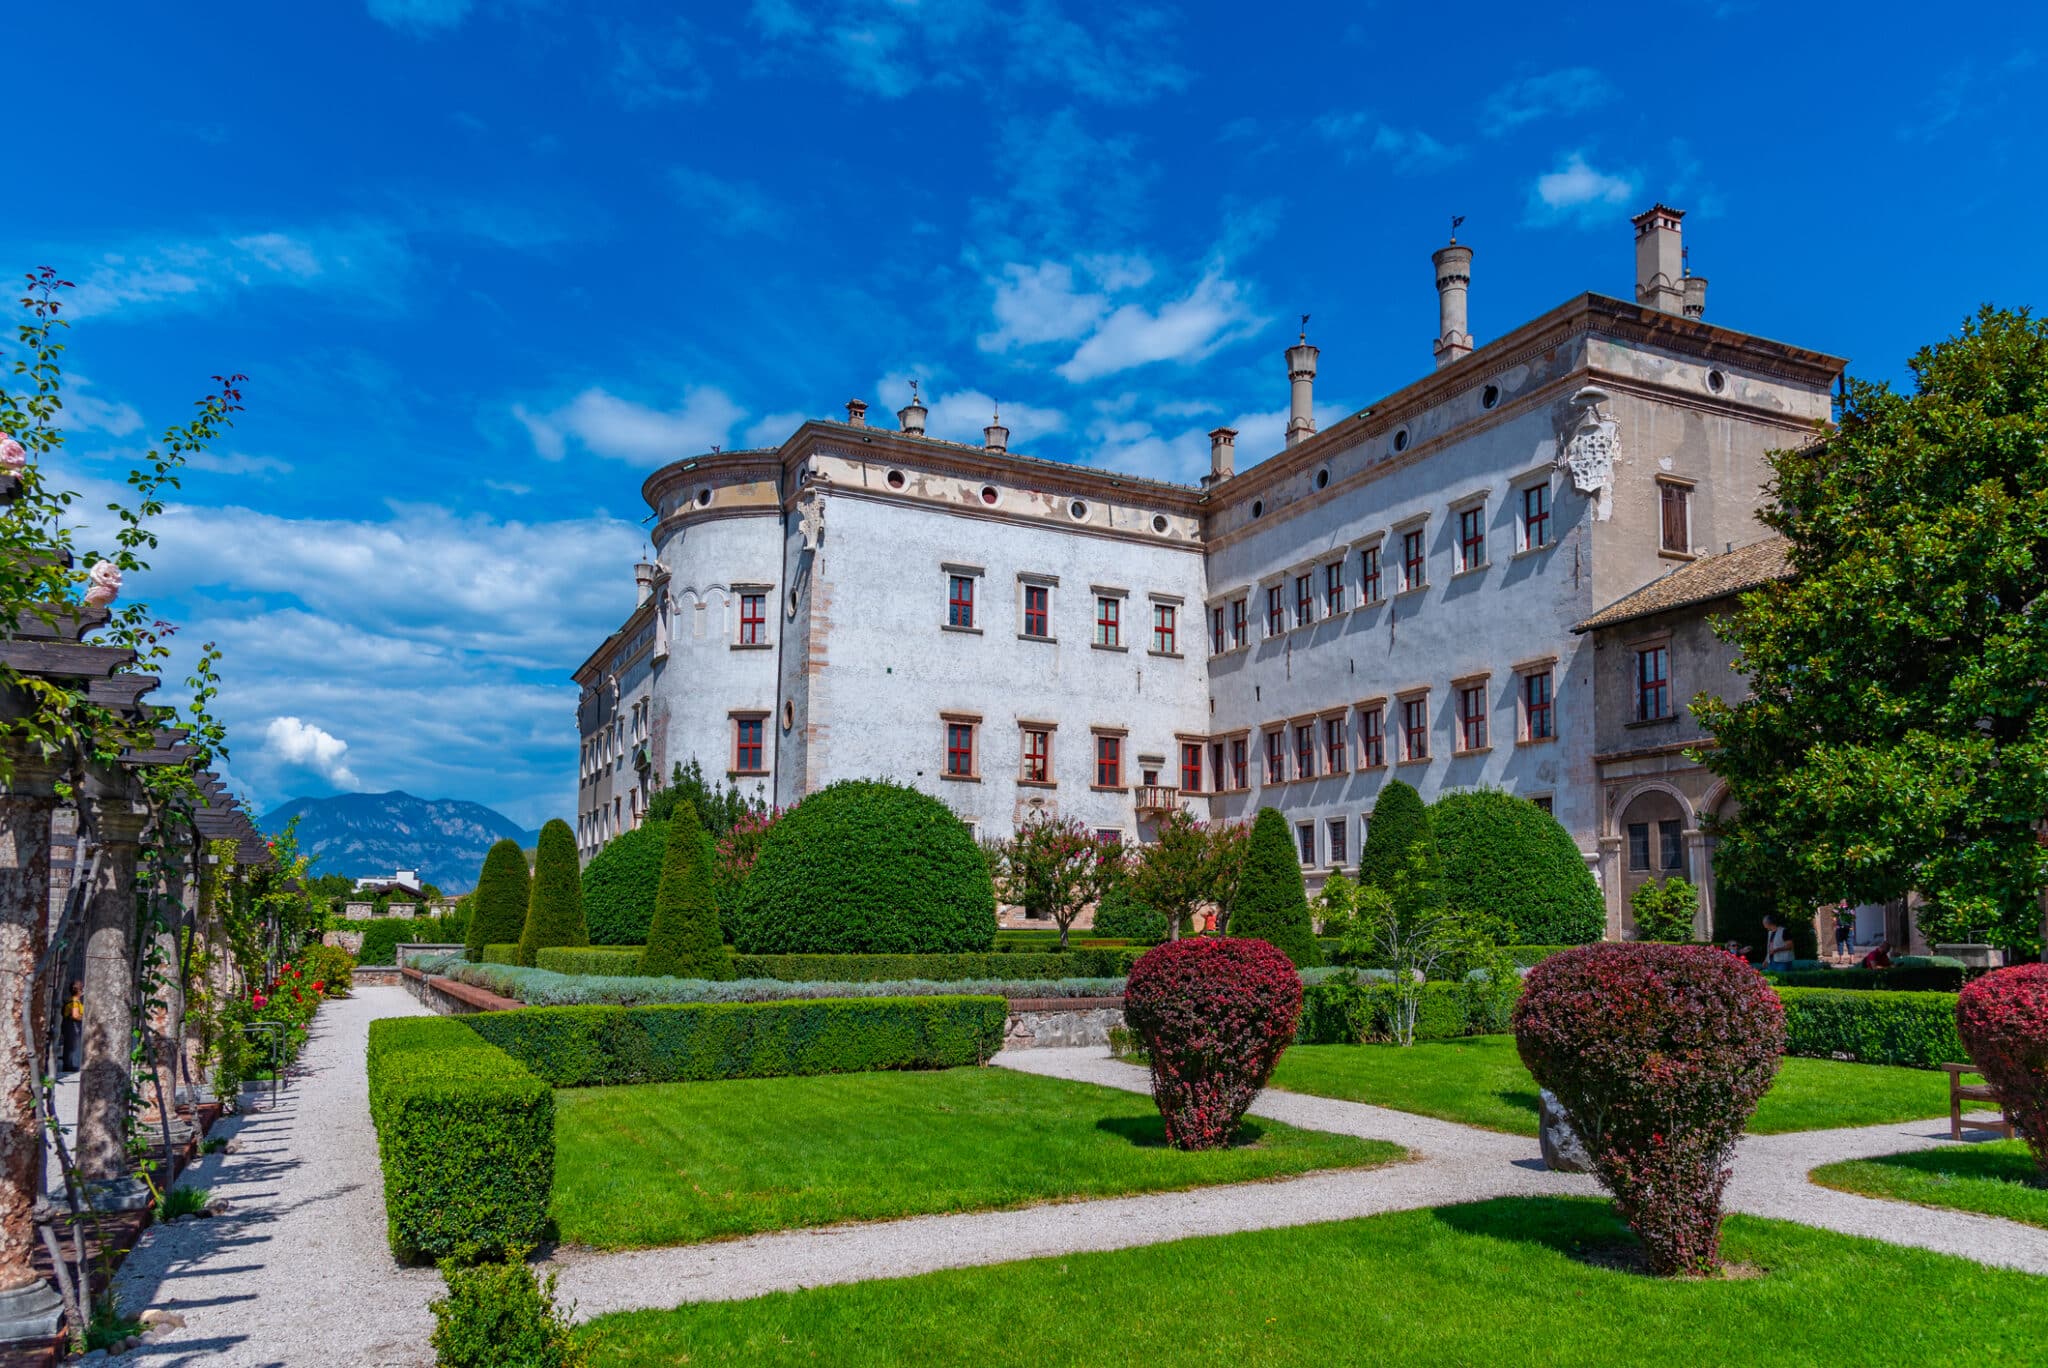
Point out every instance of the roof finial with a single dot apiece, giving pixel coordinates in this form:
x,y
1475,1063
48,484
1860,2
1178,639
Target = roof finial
x,y
1304,327
1456,219
913,391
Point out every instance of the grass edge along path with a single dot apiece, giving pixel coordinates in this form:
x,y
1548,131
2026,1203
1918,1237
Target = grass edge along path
x,y
1480,1081
1990,1178
657,1164
1512,1280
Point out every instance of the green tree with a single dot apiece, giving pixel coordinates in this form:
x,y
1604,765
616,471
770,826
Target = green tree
x,y
554,909
1664,912
1055,867
1897,734
1336,904
620,882
1176,872
1513,872
1399,821
684,940
1272,903
499,900
719,806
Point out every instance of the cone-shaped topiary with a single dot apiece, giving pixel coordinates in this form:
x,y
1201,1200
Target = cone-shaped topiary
x,y
866,867
684,940
498,908
1272,904
1215,1015
619,885
1508,865
554,910
2003,1020
1399,820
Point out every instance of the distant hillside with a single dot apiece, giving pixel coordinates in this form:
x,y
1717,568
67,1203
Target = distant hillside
x,y
359,834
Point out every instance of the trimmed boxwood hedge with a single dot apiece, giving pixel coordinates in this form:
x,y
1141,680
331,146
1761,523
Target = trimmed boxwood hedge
x,y
864,866
609,960
1907,978
1345,1013
466,1140
619,885
1113,962
506,952
604,1046
1509,861
382,936
1915,1028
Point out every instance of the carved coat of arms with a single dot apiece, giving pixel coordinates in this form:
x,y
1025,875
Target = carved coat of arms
x,y
1587,448
810,516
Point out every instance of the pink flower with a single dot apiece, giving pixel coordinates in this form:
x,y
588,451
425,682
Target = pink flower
x,y
259,1002
13,456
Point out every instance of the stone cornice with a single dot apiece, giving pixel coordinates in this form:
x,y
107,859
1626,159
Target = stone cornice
x,y
1135,536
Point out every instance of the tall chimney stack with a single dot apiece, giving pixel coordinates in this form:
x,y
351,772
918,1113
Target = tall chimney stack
x,y
1660,259
1301,377
643,580
995,438
1222,456
1453,282
1695,295
911,415
857,412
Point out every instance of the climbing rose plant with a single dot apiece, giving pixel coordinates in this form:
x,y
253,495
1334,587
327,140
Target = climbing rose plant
x,y
1215,1015
1659,1055
2003,1020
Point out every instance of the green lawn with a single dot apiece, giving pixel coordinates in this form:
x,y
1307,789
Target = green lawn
x,y
1495,1283
672,1163
1996,1178
1481,1082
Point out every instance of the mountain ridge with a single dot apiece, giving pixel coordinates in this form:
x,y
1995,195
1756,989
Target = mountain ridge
x,y
361,834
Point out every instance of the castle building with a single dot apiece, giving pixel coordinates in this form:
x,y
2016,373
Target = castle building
x,y
1393,596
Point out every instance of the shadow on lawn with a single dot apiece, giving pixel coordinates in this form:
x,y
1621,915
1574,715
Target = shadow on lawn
x,y
1582,1229
2012,1165
1521,1101
1149,1132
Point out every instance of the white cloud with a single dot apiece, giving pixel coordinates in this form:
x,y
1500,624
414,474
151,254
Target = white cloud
x,y
301,743
606,425
1136,447
82,410
1189,328
729,207
773,429
362,258
237,463
1572,90
420,16
1359,135
960,415
1038,304
1578,191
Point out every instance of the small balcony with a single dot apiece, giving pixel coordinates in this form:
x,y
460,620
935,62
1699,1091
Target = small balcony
x,y
1156,799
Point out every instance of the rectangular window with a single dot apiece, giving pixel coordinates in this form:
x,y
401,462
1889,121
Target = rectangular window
x,y
1472,538
1536,516
1305,838
1038,755
1676,523
1671,846
1217,773
1304,601
1191,766
960,750
1334,746
746,744
960,606
1109,614
1240,622
1037,610
753,619
1472,717
1537,720
1276,757
1304,751
1413,560
1653,684
1369,575
1240,764
1216,638
1165,633
1415,728
1542,801
1336,829
1333,588
1109,761
1276,611
1639,845
1372,737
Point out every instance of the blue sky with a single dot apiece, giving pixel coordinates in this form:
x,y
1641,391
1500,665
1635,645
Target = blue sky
x,y
487,262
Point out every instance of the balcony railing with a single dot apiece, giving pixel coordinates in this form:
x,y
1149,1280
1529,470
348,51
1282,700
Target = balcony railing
x,y
1157,798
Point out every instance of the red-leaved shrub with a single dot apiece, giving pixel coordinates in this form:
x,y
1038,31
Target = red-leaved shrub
x,y
1215,1015
1658,1054
2003,1020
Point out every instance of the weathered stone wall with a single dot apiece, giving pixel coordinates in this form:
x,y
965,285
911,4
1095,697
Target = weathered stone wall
x,y
1041,1023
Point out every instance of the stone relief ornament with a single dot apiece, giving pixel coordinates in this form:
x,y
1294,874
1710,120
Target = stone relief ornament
x,y
1587,448
13,456
811,521
103,584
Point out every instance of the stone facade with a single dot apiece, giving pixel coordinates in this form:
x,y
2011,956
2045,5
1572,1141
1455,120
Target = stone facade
x,y
862,602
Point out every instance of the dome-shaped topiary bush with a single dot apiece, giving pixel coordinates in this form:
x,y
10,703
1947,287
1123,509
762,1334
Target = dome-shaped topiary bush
x,y
1215,1014
498,906
1272,904
866,867
1509,864
2003,1020
1658,1055
619,885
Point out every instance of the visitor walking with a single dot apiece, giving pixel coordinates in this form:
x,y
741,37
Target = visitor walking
x,y
1845,926
73,1027
1778,949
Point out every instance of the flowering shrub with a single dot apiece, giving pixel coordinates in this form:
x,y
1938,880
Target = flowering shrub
x,y
2003,1020
1215,1015
1658,1054
288,1001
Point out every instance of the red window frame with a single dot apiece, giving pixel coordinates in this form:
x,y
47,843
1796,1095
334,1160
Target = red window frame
x,y
1472,538
746,747
1276,610
960,602
1109,615
1240,622
1191,767
1304,750
1109,761
1216,770
1653,683
753,618
1414,559
1037,755
1372,737
1472,716
1240,764
1165,628
1276,757
1335,746
1304,601
1538,719
1333,588
1369,575
1415,728
960,749
1216,630
1305,843
1337,832
1536,516
1037,610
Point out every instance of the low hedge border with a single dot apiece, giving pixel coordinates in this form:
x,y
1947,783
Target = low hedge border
x,y
1345,1013
605,1046
545,988
1913,1028
1106,962
504,953
382,937
597,960
465,1138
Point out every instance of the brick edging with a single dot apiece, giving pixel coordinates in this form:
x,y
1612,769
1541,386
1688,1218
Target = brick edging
x,y
476,999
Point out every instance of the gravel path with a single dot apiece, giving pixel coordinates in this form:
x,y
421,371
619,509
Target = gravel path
x,y
298,1271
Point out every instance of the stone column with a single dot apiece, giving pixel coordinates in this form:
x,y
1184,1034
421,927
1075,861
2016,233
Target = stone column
x,y
29,1306
1610,883
110,922
1699,869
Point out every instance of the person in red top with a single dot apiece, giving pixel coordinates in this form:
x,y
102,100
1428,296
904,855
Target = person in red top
x,y
1879,958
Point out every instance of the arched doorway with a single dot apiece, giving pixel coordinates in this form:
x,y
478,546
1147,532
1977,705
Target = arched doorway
x,y
1654,827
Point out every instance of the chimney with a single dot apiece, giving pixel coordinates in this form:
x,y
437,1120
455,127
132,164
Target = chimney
x,y
857,412
1660,260
1301,375
911,415
995,438
643,578
1453,282
1695,295
1222,456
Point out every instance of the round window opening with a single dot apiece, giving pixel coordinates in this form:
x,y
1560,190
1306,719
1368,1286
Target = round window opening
x,y
988,494
1716,381
1077,509
1323,478
792,603
1489,396
1401,439
1258,508
895,479
788,715
1158,522
703,498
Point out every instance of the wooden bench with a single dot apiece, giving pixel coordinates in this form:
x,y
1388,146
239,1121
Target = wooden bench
x,y
1960,1092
